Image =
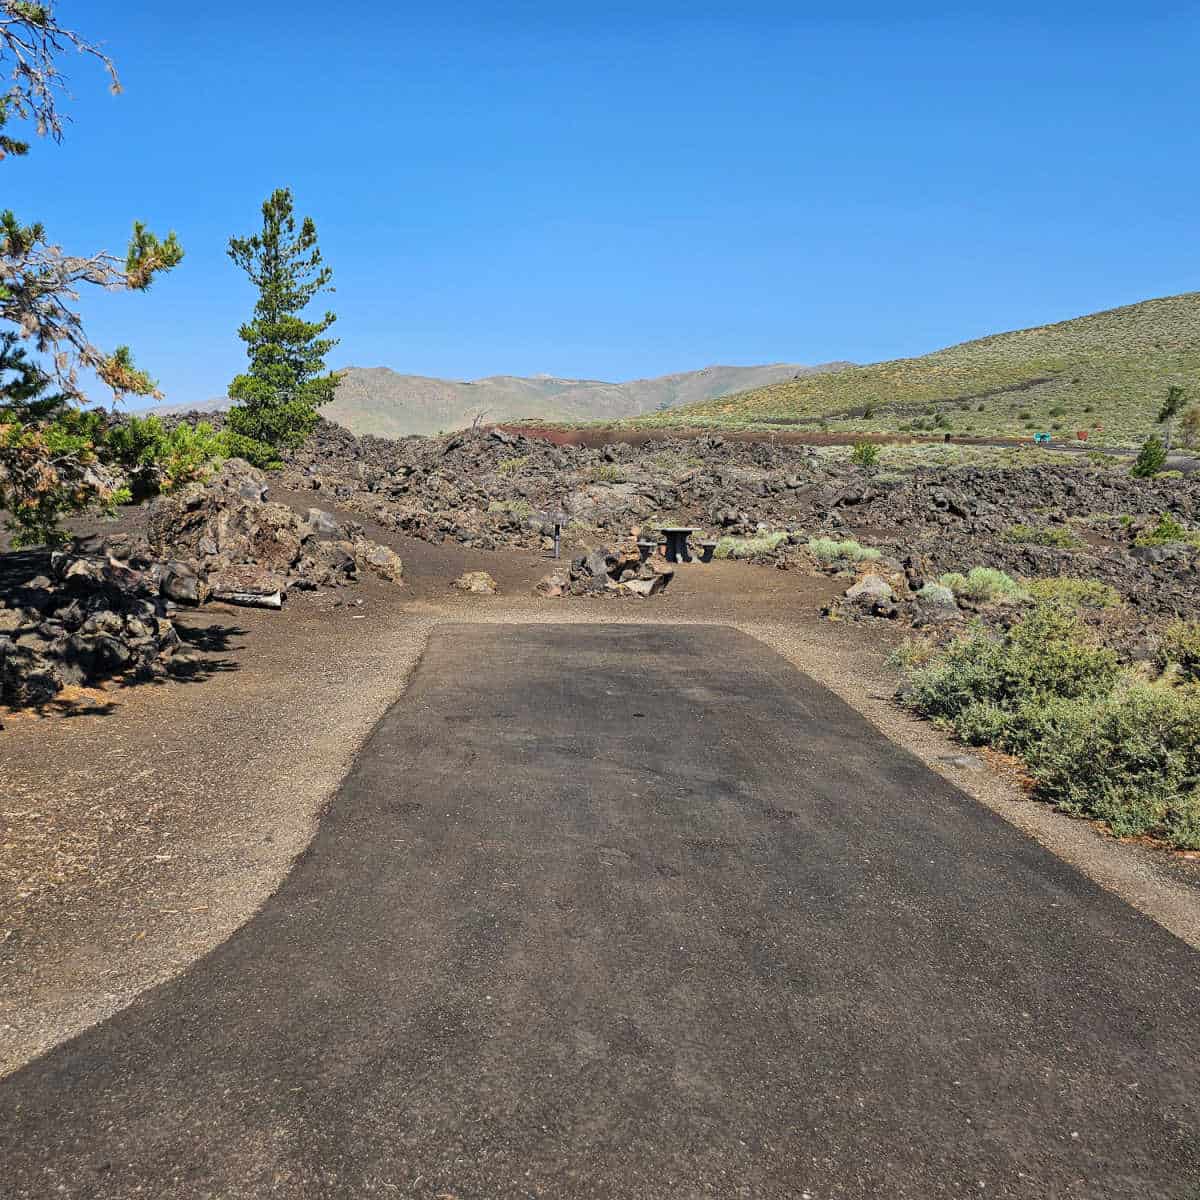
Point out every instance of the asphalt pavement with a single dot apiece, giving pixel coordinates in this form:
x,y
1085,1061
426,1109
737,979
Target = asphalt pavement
x,y
641,911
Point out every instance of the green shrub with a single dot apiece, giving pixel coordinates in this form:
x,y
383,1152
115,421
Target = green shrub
x,y
605,473
256,453
510,466
1150,459
1041,535
513,508
1094,743
1131,759
736,547
936,593
1078,593
162,459
1180,644
1166,532
865,454
1047,654
829,550
984,585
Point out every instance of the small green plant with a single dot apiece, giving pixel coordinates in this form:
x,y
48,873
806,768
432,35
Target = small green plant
x,y
1180,644
606,473
1167,532
1041,535
510,466
828,550
865,454
936,593
984,585
512,508
1150,460
763,543
1076,593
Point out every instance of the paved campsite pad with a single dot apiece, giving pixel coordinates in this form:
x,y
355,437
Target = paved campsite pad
x,y
641,912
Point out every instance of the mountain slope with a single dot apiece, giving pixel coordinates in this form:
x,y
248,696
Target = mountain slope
x,y
1107,373
379,401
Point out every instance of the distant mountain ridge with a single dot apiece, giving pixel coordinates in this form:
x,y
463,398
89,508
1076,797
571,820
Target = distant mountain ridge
x,y
380,401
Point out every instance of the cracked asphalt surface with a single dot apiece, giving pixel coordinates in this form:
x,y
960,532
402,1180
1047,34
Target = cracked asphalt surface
x,y
641,911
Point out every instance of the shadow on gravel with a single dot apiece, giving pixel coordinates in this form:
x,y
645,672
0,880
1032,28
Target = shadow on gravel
x,y
210,639
188,664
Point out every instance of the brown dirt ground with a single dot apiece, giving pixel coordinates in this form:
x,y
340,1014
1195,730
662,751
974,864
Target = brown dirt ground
x,y
139,826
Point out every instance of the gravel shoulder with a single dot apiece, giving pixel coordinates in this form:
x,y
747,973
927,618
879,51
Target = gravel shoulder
x,y
171,812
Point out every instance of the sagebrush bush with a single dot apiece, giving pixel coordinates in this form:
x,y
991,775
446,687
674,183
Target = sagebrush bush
x,y
1046,655
1180,644
984,585
1095,742
510,466
513,508
1131,759
1078,593
936,593
737,547
604,473
829,550
1041,535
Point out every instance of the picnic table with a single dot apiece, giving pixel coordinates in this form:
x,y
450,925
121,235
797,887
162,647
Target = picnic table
x,y
677,541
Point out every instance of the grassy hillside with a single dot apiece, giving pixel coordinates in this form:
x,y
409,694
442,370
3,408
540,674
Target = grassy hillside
x,y
1106,373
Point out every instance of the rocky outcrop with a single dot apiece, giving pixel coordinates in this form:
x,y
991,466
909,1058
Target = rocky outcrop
x,y
488,490
607,572
224,538
92,618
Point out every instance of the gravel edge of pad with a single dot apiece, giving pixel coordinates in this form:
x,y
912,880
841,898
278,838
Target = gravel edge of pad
x,y
35,1018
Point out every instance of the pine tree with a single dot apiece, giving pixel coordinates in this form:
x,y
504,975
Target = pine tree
x,y
1151,459
278,397
47,450
1170,409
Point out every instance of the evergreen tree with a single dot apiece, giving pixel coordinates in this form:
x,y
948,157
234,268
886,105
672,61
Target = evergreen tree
x,y
1150,460
47,450
1170,409
278,397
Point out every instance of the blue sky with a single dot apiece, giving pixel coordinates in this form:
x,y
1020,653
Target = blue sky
x,y
630,189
